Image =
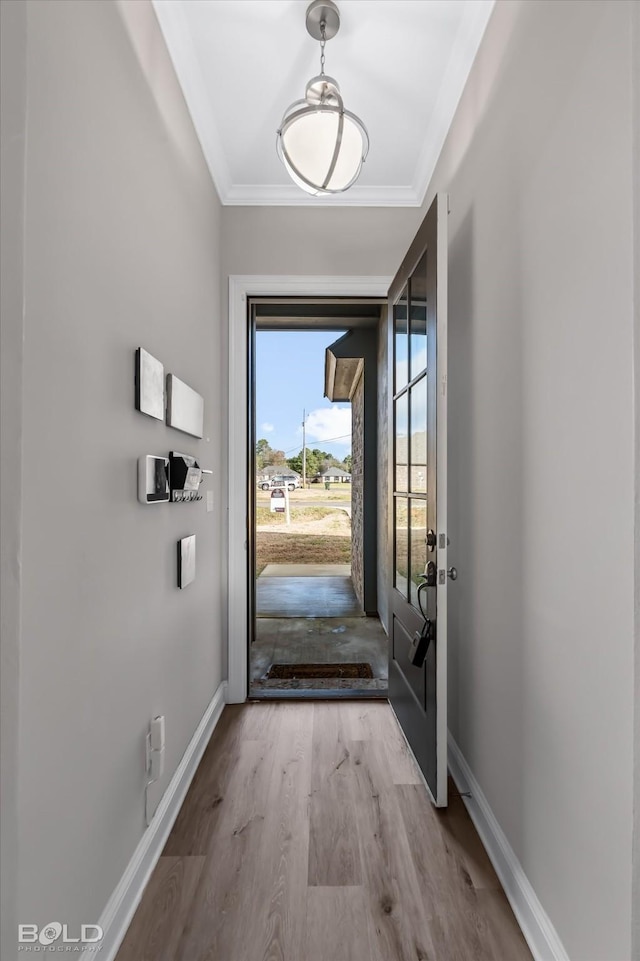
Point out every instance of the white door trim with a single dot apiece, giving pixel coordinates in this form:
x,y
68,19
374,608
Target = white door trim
x,y
242,286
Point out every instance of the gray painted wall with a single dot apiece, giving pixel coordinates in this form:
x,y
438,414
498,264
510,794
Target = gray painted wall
x,y
122,248
635,953
366,241
13,92
538,165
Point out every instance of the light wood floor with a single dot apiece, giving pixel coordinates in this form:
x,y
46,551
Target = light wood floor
x,y
307,835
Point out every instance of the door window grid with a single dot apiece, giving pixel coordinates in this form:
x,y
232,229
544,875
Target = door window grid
x,y
401,341
401,545
418,319
410,381
401,482
417,545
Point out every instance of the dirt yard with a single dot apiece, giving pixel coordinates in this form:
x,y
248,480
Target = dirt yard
x,y
317,535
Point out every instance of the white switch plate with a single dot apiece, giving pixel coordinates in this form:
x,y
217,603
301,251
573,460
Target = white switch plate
x,y
186,561
209,501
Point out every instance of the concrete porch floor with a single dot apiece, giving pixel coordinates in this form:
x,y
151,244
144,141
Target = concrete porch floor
x,y
306,597
319,640
308,613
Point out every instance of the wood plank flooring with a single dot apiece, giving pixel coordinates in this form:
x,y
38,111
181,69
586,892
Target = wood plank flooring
x,y
307,835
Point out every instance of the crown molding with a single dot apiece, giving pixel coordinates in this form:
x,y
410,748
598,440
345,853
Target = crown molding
x,y
288,195
177,36
468,38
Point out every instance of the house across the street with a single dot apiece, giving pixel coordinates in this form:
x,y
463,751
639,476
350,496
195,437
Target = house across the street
x,y
334,475
266,474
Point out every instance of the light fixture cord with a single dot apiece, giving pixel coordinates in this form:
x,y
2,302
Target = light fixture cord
x,y
322,43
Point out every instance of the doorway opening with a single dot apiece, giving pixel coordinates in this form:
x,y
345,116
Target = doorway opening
x,y
314,629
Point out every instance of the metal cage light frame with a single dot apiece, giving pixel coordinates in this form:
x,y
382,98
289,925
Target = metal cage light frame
x,y
321,144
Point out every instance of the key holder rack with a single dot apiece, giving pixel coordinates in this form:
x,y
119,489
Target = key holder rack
x,y
185,477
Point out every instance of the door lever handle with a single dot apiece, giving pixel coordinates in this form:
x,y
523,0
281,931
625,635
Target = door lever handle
x,y
429,576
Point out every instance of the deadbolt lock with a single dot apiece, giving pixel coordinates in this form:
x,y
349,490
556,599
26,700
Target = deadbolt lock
x,y
431,540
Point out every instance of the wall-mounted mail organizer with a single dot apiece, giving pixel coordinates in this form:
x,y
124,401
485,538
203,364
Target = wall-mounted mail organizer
x,y
185,477
175,478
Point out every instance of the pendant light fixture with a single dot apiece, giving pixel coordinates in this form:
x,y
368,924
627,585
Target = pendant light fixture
x,y
322,145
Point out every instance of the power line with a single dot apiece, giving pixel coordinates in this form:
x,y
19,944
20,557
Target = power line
x,y
327,440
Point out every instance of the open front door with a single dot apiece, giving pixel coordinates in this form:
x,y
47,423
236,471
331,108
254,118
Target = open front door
x,y
417,332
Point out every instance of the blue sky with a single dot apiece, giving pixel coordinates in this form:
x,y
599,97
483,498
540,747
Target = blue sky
x,y
290,379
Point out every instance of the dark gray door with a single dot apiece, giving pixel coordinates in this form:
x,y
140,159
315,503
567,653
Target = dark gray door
x,y
417,329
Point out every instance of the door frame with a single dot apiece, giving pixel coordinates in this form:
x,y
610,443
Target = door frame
x,y
242,286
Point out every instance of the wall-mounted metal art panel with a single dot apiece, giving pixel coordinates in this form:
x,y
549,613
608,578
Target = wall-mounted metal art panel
x,y
149,384
185,407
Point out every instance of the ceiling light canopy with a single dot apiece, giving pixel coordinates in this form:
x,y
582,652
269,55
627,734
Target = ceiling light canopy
x,y
322,145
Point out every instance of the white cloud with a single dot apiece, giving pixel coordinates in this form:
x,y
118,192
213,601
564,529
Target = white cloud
x,y
267,427
330,423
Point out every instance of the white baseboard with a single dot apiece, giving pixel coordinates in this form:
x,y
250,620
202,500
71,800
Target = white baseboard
x,y
122,904
539,932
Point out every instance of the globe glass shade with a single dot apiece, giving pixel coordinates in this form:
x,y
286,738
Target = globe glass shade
x,y
322,145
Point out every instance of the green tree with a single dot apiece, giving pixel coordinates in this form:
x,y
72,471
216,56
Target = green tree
x,y
346,463
324,460
263,452
295,463
266,456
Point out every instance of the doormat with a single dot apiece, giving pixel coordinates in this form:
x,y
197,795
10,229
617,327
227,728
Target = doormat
x,y
285,672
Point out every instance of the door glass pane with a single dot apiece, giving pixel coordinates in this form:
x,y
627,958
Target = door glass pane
x,y
401,545
402,442
418,527
418,403
418,324
401,342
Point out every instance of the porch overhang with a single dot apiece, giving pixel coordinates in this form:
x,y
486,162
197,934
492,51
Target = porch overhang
x,y
341,376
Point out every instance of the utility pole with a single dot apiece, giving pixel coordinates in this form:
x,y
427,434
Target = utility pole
x,y
304,451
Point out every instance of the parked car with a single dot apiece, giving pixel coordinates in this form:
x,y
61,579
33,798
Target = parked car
x,y
286,480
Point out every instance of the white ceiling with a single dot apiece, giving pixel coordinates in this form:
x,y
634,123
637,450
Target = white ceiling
x,y
401,66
